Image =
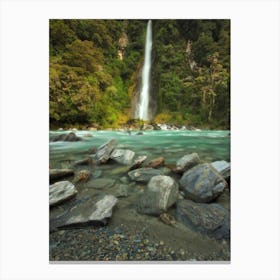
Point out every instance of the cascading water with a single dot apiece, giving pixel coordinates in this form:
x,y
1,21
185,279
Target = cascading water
x,y
143,107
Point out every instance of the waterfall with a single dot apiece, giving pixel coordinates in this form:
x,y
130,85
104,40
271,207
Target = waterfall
x,y
143,107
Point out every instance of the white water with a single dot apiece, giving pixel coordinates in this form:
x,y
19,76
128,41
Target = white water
x,y
143,108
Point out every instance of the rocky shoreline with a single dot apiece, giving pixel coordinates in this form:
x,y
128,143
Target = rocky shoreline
x,y
96,218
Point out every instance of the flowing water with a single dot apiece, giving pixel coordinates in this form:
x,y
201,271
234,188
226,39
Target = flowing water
x,y
143,106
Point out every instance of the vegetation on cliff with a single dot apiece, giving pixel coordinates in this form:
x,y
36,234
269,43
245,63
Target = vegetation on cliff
x,y
94,65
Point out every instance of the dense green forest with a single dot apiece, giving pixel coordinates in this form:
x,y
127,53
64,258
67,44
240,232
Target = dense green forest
x,y
94,66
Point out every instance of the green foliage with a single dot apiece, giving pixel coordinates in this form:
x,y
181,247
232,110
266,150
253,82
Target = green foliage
x,y
88,83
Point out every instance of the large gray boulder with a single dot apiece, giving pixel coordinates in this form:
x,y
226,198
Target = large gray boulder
x,y
211,219
144,174
187,162
161,193
223,167
103,152
202,183
61,191
122,156
93,211
69,137
56,174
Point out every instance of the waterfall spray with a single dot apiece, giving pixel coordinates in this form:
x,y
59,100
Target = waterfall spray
x,y
143,107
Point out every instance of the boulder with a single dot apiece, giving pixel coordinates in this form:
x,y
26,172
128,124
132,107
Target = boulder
x,y
161,193
71,137
211,219
103,152
223,167
137,163
61,191
56,174
202,183
94,211
122,156
157,162
101,183
187,162
143,174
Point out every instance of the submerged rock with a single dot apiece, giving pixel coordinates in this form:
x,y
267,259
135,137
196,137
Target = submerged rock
x,y
160,194
122,156
96,210
103,152
202,183
157,162
211,219
56,174
61,191
101,183
85,161
143,174
187,162
83,176
223,167
71,137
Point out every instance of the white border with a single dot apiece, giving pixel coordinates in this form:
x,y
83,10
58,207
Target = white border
x,y
24,138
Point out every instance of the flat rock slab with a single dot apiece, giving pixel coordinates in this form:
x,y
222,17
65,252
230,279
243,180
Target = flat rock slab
x,y
85,161
61,191
69,137
122,156
103,152
144,174
187,162
95,210
138,162
202,183
223,167
211,219
101,183
157,162
161,193
56,174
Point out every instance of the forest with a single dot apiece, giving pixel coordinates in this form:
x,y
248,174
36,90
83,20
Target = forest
x,y
94,66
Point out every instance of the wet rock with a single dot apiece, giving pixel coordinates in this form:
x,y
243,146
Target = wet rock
x,y
157,162
124,180
160,194
147,127
96,210
96,174
83,176
223,167
71,137
120,190
202,183
139,133
137,163
103,152
101,183
61,191
187,162
85,161
56,174
92,150
143,174
122,156
211,219
120,170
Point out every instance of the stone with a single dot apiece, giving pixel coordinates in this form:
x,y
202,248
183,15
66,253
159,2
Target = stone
x,y
61,191
161,193
96,174
139,133
143,174
120,170
104,151
71,137
223,167
83,176
120,190
101,183
92,150
202,183
157,162
148,127
187,162
85,161
211,219
137,163
56,174
97,210
122,156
